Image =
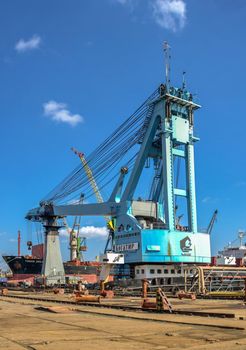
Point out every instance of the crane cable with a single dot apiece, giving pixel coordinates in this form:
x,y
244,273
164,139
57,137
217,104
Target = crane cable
x,y
112,150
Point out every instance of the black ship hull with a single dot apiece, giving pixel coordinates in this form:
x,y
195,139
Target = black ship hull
x,y
21,265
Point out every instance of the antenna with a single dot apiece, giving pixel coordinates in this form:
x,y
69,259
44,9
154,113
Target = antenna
x,y
241,234
184,82
166,48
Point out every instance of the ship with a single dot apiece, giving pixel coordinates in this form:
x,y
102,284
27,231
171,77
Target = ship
x,y
29,266
234,253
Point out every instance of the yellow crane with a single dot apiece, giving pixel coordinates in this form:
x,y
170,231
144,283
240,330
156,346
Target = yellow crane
x,y
93,183
105,272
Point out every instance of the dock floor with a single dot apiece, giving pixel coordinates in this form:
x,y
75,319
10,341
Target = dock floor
x,y
38,325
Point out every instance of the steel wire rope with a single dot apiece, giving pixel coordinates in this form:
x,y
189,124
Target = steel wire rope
x,y
128,163
61,190
106,157
109,181
87,162
102,168
129,142
104,185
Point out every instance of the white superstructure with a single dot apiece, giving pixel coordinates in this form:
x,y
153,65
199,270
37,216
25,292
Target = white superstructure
x,y
160,272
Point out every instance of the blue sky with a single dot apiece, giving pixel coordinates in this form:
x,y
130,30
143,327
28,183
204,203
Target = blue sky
x,y
71,71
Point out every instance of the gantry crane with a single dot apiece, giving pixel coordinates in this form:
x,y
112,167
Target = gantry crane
x,y
162,129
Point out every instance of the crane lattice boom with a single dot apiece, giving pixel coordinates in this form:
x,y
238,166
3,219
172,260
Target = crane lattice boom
x,y
92,181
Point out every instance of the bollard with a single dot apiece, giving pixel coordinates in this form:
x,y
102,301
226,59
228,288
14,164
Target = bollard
x,y
60,291
148,305
4,291
145,284
186,295
79,293
109,294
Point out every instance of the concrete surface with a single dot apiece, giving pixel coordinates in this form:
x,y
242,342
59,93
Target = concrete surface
x,y
22,326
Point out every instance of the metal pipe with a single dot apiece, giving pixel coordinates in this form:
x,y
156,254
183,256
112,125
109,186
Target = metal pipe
x,y
88,299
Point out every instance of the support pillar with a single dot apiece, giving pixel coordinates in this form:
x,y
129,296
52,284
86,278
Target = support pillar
x,y
168,176
52,268
192,213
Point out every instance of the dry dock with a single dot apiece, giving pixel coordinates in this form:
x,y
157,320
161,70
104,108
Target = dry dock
x,y
45,324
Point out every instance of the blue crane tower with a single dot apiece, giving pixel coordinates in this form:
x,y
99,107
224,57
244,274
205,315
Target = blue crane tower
x,y
145,231
148,231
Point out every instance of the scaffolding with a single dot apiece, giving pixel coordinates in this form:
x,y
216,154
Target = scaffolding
x,y
217,281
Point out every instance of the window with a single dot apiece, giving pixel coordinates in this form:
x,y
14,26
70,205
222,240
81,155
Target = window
x,y
142,271
137,271
152,271
166,271
159,271
179,271
172,271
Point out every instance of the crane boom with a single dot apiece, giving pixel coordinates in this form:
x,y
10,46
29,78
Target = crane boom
x,y
212,221
89,175
92,181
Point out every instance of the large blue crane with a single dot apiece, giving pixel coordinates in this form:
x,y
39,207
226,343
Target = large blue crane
x,y
146,231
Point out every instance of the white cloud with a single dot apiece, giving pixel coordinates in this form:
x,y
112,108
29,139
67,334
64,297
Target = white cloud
x,y
92,231
211,200
26,45
88,232
170,14
59,112
13,240
206,199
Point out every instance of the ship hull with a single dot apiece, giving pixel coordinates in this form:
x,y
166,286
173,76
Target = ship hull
x,y
20,265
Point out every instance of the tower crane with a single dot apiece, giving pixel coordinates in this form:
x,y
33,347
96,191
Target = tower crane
x,y
106,267
97,192
77,244
93,183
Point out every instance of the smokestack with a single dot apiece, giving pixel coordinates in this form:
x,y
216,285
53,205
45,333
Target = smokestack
x,y
19,243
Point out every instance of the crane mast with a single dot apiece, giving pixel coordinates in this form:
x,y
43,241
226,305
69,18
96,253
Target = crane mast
x,y
76,243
